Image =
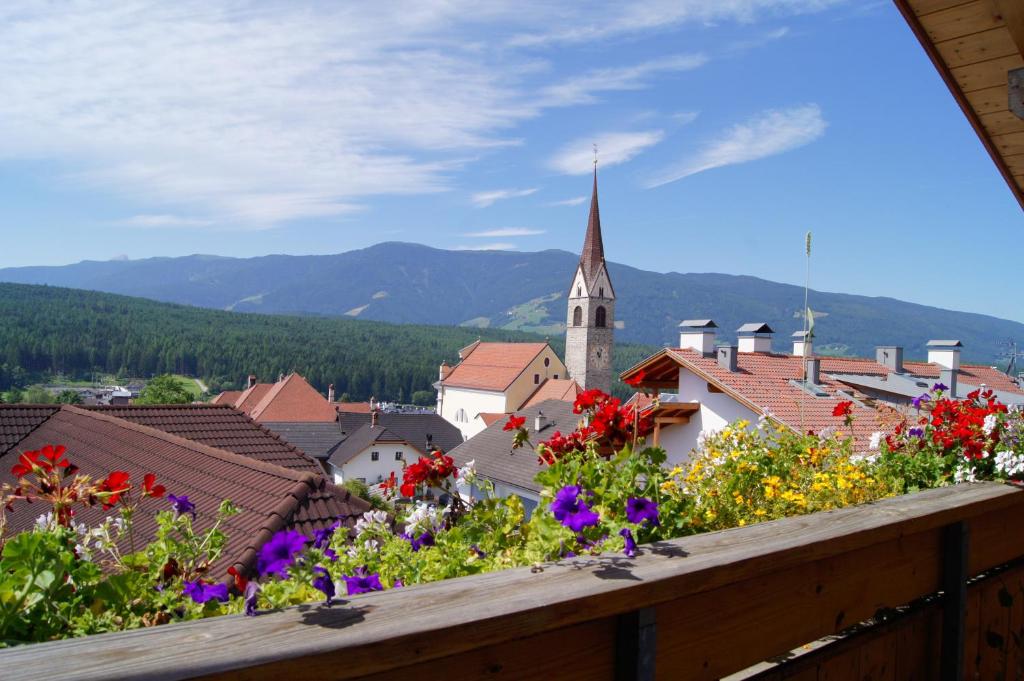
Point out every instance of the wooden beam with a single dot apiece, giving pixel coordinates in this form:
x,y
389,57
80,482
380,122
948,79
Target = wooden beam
x,y
1012,13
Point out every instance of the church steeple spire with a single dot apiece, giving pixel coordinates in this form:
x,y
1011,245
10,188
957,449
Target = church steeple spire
x,y
592,256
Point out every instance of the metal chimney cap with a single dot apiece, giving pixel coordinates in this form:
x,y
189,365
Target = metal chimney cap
x,y
944,344
698,324
755,327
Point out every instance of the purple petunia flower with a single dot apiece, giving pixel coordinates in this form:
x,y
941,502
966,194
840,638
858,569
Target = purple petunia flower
x,y
252,590
480,553
330,555
398,584
640,509
917,401
572,512
630,549
939,386
362,582
278,554
182,505
201,593
916,432
323,582
417,543
322,537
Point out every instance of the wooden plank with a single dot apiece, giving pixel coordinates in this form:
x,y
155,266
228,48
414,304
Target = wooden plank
x,y
1002,122
993,630
989,100
977,47
1015,162
922,7
1012,12
1015,656
916,639
986,74
878,658
961,20
972,657
842,667
759,618
1010,143
375,633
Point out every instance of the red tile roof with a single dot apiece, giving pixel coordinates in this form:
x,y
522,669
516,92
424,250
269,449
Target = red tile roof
x,y
291,399
490,418
493,366
353,407
228,397
220,426
565,389
270,497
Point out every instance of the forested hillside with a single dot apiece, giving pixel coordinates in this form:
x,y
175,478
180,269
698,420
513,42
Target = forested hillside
x,y
412,284
47,330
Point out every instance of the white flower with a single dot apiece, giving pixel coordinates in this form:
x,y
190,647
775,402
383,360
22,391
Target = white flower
x,y
372,521
44,521
467,473
863,458
964,473
876,440
1009,463
989,425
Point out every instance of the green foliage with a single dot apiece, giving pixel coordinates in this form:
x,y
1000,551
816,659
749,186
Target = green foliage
x,y
36,395
164,389
50,330
362,490
424,398
69,397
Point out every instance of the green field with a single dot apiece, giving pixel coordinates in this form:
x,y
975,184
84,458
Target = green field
x,y
190,385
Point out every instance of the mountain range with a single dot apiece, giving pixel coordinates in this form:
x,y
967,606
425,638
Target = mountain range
x,y
410,283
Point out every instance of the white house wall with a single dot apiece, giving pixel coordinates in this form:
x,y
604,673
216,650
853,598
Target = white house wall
x,y
717,410
372,472
471,402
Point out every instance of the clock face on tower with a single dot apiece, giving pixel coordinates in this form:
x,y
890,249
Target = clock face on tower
x,y
599,358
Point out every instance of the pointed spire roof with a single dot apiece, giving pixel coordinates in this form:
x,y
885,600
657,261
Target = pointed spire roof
x,y
592,256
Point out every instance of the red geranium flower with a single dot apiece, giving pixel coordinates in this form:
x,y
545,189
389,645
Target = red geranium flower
x,y
151,490
844,408
115,485
240,580
514,422
27,462
637,379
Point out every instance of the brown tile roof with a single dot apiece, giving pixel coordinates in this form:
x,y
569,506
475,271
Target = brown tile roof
x,y
415,429
228,397
294,400
366,436
220,426
271,497
489,418
565,389
353,407
493,366
18,420
251,397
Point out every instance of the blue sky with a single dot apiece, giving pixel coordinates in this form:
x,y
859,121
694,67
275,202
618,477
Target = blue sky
x,y
726,130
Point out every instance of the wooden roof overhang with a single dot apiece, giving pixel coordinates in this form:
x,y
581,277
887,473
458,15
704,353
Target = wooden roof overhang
x,y
974,44
660,372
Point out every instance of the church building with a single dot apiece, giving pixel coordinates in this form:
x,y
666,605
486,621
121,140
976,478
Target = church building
x,y
495,379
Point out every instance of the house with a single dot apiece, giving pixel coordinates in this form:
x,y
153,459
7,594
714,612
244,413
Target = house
x,y
493,378
291,399
512,471
499,378
378,444
270,496
716,385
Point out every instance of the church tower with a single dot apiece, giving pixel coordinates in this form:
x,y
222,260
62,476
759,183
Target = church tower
x,y
591,319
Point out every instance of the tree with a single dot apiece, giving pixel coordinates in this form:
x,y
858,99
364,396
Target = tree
x,y
424,398
36,395
69,397
164,389
14,395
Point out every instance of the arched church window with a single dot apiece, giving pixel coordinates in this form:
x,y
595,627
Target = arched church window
x,y
600,292
600,317
577,316
547,361
579,291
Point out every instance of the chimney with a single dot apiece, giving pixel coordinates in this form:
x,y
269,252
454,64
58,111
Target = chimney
x,y
812,371
373,404
945,353
803,344
373,418
280,377
540,422
699,335
891,357
727,357
330,393
430,443
445,370
755,337
948,378
251,382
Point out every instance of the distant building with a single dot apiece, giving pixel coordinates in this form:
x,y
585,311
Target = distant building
x,y
494,378
718,384
291,399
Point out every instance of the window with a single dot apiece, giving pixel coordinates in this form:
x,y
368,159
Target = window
x,y
600,317
374,456
536,379
398,456
460,416
556,377
600,292
579,291
547,361
577,316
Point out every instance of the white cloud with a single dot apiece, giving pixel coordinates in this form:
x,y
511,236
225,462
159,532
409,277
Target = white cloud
x,y
498,246
769,133
577,157
582,89
162,221
590,23
574,201
504,232
685,117
484,199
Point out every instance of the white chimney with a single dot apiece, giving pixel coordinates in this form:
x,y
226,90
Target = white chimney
x,y
945,353
252,381
330,393
803,344
540,422
698,334
755,337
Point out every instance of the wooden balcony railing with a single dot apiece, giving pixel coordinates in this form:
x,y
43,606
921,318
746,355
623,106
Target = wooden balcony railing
x,y
930,580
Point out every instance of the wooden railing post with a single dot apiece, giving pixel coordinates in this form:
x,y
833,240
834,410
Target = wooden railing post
x,y
635,646
954,609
